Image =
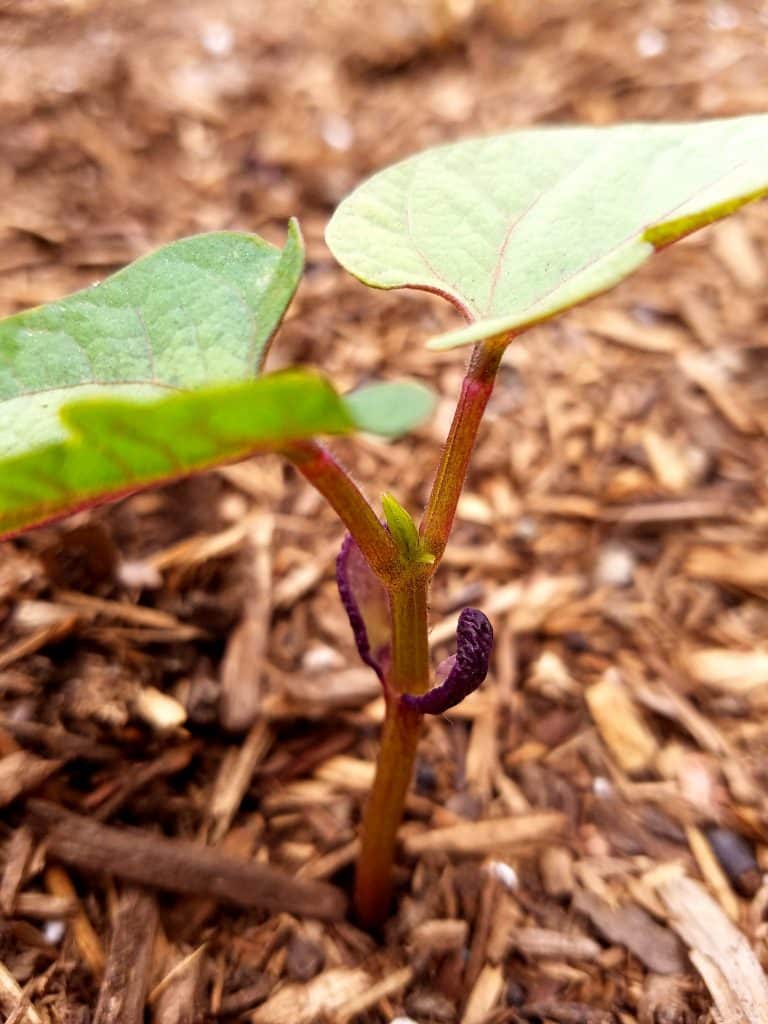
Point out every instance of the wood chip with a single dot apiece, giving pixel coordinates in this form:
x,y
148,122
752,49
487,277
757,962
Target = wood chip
x,y
621,723
36,641
493,835
13,1002
324,996
632,927
545,942
439,936
17,855
21,772
389,985
622,329
727,670
243,664
88,942
713,874
718,950
126,977
485,994
736,566
234,778
178,997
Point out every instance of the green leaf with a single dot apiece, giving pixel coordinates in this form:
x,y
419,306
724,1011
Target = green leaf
x,y
516,228
120,385
390,408
150,376
116,446
197,311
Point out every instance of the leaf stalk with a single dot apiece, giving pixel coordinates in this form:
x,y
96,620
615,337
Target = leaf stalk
x,y
476,389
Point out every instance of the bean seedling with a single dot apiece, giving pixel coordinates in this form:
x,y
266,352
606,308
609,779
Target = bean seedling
x,y
158,371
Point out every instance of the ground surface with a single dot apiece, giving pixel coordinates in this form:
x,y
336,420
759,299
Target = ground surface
x,y
614,527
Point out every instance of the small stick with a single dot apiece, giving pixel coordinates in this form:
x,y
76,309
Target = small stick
x,y
87,941
124,989
178,865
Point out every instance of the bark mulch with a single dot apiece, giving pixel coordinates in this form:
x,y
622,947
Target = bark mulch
x,y
186,736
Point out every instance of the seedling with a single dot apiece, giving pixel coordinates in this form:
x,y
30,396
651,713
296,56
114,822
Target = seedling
x,y
157,372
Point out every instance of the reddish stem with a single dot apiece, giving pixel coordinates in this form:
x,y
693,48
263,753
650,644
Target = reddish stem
x,y
475,391
384,813
399,739
319,468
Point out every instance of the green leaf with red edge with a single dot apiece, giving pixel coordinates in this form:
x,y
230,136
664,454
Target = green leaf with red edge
x,y
151,375
516,228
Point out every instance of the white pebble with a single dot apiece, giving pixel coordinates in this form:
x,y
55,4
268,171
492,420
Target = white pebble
x,y
505,874
218,39
337,132
615,566
54,932
650,42
602,787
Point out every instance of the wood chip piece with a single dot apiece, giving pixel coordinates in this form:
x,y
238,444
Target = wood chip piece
x,y
388,986
485,994
13,1002
632,927
322,997
439,936
556,868
718,951
125,985
621,723
726,670
87,941
178,998
713,873
490,836
546,942
22,771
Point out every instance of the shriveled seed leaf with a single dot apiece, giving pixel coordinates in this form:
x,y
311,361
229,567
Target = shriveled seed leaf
x,y
515,228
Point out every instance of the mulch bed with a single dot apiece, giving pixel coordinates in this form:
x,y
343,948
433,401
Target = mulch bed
x,y
186,736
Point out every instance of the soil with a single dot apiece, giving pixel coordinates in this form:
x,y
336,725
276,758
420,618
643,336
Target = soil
x,y
187,737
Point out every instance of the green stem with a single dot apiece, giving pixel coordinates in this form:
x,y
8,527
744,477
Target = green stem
x,y
399,740
319,468
475,391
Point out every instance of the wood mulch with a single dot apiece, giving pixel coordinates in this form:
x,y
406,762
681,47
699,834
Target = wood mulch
x,y
186,736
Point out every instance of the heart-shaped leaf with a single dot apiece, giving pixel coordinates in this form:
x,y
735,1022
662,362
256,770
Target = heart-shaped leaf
x,y
195,312
117,446
150,376
516,228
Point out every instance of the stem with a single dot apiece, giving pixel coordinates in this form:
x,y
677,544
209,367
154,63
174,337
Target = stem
x,y
475,391
319,468
399,740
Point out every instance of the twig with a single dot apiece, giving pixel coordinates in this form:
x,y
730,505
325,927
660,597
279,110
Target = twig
x,y
178,865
